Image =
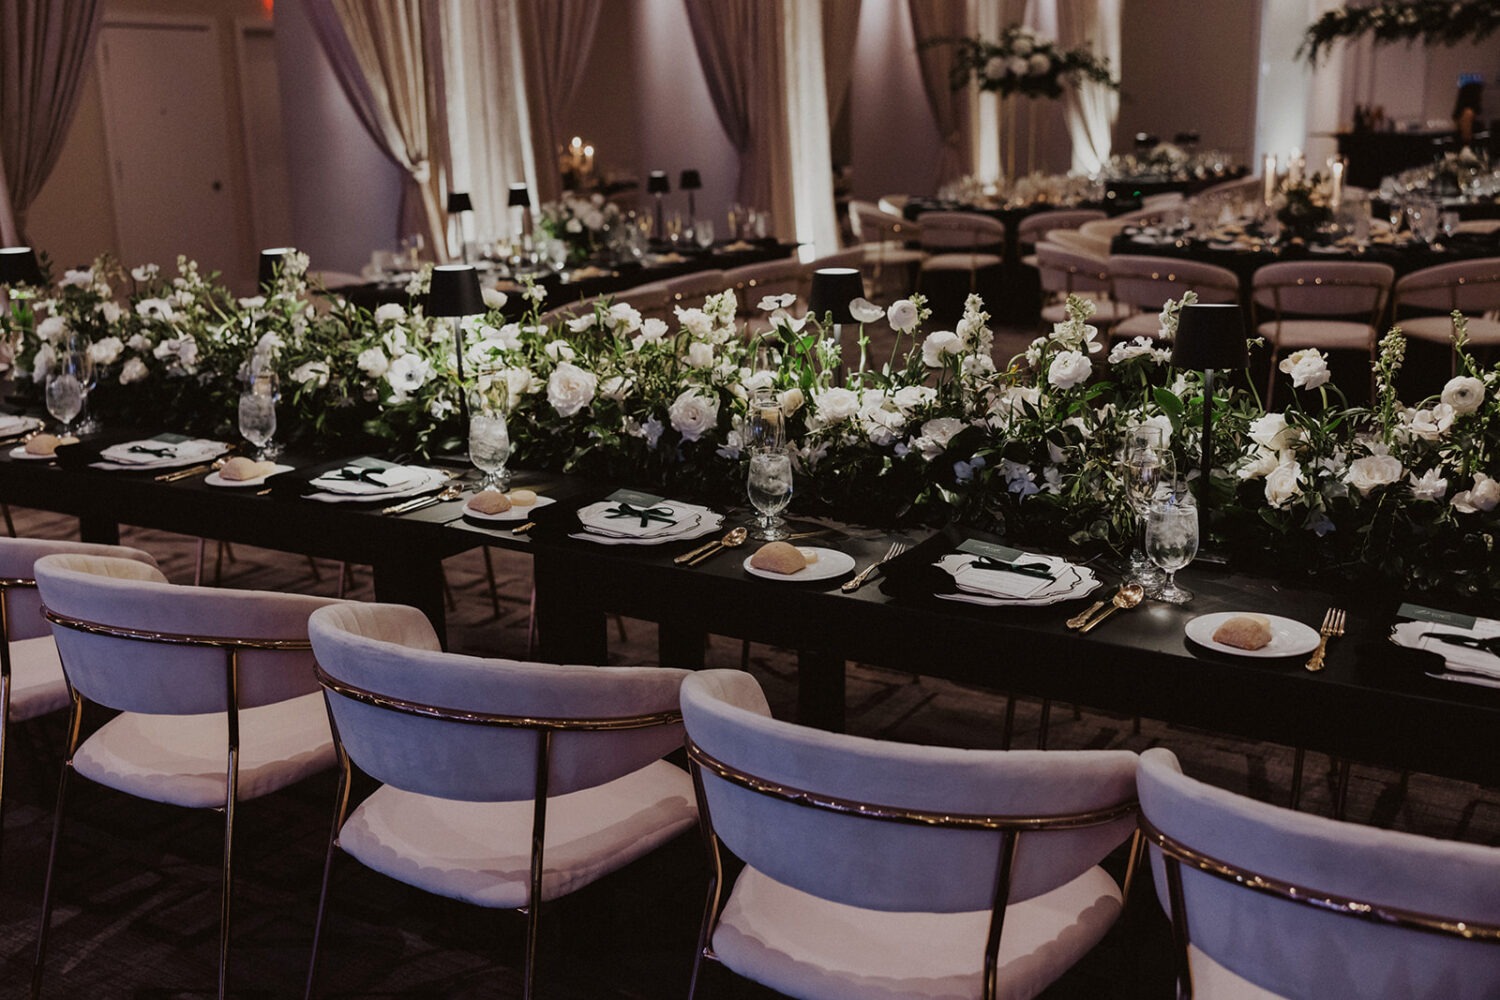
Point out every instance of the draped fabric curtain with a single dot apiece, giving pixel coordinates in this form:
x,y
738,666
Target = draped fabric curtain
x,y
489,123
739,48
1090,108
45,47
556,36
387,55
840,25
932,20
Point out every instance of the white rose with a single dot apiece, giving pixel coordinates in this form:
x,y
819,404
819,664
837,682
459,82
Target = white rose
x,y
936,434
134,370
1432,486
570,389
996,67
106,351
1069,368
389,312
1429,425
1272,431
1372,472
1022,45
559,350
652,331
1308,368
1282,484
1464,394
111,312
937,345
624,317
1262,463
902,315
1484,495
582,323
700,355
1040,64
373,362
1018,66
693,415
792,400
836,405
312,373
52,329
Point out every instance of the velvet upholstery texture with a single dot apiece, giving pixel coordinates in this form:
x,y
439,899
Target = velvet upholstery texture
x,y
867,893
1258,943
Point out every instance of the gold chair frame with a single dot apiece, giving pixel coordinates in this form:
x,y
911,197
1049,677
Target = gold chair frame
x,y
1452,288
1175,854
545,728
232,648
1009,827
7,584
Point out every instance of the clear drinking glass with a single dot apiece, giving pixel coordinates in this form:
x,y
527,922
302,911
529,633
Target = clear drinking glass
x,y
765,427
769,486
703,233
65,389
258,411
489,436
1145,464
1172,541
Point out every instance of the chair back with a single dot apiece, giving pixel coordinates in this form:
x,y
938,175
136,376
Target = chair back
x,y
960,231
130,640
1307,907
1068,271
892,826
652,300
476,729
1077,241
1035,227
20,603
1470,286
692,289
872,224
1323,288
1103,229
1148,282
753,282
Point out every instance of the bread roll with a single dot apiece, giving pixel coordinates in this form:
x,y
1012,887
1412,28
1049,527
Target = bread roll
x,y
489,502
240,469
1244,632
779,557
47,444
521,498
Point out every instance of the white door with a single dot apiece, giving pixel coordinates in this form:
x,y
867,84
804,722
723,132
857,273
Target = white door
x,y
168,140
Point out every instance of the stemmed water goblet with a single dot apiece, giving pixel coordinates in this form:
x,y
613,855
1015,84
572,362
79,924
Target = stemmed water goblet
x,y
66,387
769,485
1172,540
1145,464
258,409
489,436
703,233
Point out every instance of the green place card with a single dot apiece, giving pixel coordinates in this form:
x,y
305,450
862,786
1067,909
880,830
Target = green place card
x,y
369,463
1415,612
999,553
168,438
635,498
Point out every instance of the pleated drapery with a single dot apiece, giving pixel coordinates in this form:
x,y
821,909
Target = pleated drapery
x,y
1091,108
557,36
932,20
840,26
45,47
387,55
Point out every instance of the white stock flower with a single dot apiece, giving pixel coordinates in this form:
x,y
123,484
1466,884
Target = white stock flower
x,y
1464,394
699,355
570,389
373,362
1272,431
865,311
938,345
1308,368
133,371
696,322
693,415
1431,485
1372,472
389,312
902,315
1069,368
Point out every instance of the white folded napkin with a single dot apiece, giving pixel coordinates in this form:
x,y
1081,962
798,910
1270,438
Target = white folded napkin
x,y
165,450
413,479
624,520
1000,583
369,477
14,425
1423,635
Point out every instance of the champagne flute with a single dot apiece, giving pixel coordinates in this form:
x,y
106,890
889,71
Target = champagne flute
x,y
769,485
65,389
1144,466
258,410
1172,541
489,436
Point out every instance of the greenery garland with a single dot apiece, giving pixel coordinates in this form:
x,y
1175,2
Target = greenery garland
x,y
1439,22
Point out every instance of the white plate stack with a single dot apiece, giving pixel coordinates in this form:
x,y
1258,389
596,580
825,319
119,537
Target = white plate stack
x,y
617,522
1056,580
367,481
166,452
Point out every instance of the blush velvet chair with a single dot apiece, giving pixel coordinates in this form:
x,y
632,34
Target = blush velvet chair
x,y
882,870
1266,902
503,784
215,693
1330,305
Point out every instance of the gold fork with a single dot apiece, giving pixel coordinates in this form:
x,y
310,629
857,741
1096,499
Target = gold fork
x,y
1333,627
895,550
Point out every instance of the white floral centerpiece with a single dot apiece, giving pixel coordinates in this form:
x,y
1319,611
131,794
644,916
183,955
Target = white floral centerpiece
x,y
583,222
1023,62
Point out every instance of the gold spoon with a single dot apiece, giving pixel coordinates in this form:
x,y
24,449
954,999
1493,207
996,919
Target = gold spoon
x,y
704,548
1128,596
1081,619
733,540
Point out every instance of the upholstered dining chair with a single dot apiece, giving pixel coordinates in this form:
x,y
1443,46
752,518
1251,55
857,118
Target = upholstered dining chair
x,y
961,241
1266,902
1065,272
890,243
1471,287
1145,283
753,282
1330,305
503,784
1038,226
31,675
215,693
692,289
881,869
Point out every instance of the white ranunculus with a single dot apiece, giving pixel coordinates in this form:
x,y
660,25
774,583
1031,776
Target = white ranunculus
x,y
1272,431
902,316
1308,368
406,375
865,311
582,323
570,389
1069,368
311,373
693,415
133,371
1430,425
1464,393
559,350
699,355
792,400
111,312
1372,472
938,346
652,330
624,317
771,303
1283,483
494,298
106,350
389,312
1013,400
52,329
835,405
1484,495
1431,485
909,397
373,362
156,309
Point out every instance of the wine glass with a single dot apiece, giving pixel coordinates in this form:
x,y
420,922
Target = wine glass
x,y
1144,466
489,436
88,372
65,388
769,485
703,233
258,410
1172,540
765,427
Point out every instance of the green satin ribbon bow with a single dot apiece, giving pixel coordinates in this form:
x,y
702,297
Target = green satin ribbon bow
x,y
361,476
647,515
1039,570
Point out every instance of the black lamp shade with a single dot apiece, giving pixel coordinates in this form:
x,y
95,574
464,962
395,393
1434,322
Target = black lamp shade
x,y
1210,336
520,196
833,288
657,183
455,291
690,181
271,261
459,201
18,266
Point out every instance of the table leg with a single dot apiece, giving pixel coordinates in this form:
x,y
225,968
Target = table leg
x,y
417,582
99,530
820,689
678,646
571,626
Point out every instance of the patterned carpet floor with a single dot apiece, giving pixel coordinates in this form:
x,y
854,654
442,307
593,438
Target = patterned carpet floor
x,y
138,883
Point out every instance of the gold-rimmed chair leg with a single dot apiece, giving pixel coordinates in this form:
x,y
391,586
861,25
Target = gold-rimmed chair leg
x,y
232,782
538,862
75,724
340,807
10,526
489,578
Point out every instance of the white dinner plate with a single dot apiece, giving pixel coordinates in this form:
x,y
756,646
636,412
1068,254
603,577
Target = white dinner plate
x,y
514,514
830,563
1288,637
214,479
21,452
11,426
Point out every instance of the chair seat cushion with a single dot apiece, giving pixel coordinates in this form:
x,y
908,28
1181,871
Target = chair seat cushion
x,y
1332,334
1440,328
960,261
1146,324
1106,313
812,948
1210,979
183,759
480,852
37,685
